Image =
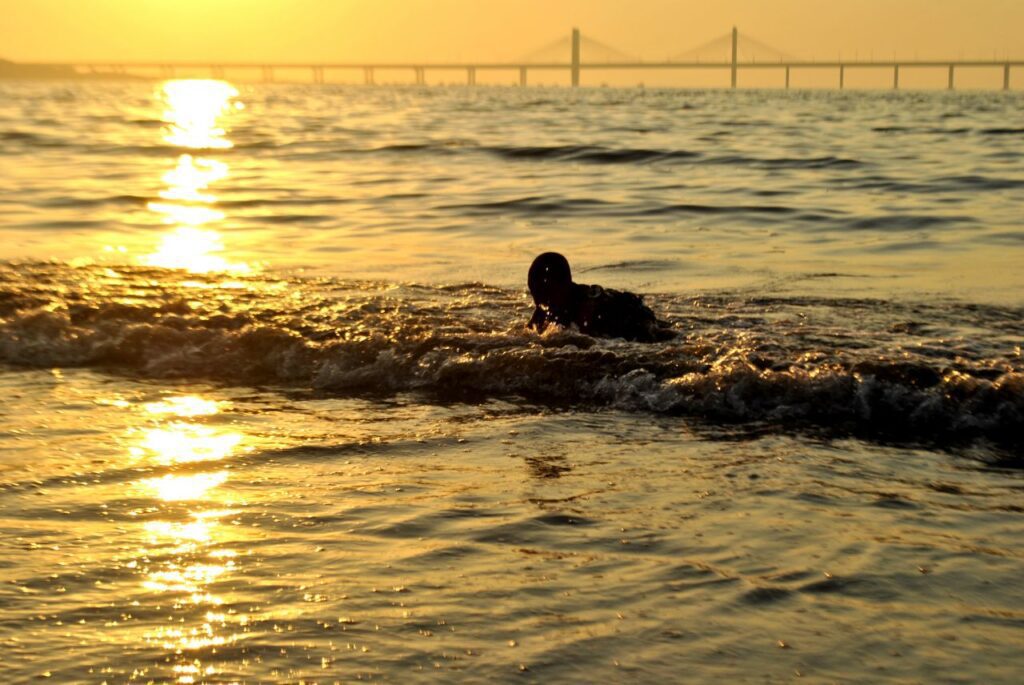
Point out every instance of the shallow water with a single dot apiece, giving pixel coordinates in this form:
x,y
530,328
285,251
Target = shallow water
x,y
271,414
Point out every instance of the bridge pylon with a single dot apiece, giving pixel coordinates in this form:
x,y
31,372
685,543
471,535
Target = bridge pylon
x,y
575,58
735,52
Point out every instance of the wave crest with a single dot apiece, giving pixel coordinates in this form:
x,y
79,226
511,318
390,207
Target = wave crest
x,y
469,343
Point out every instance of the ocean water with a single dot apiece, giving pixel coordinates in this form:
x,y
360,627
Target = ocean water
x,y
271,413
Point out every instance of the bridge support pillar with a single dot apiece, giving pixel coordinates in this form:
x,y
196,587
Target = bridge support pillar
x,y
522,76
735,47
1006,76
575,58
949,84
167,70
421,77
842,76
470,76
217,71
268,74
318,75
787,78
896,77
368,75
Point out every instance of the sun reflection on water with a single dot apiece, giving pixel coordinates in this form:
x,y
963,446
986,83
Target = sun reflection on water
x,y
192,175
190,579
185,406
194,250
194,110
182,443
180,488
186,555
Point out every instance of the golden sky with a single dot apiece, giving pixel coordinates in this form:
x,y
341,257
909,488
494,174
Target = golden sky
x,y
385,30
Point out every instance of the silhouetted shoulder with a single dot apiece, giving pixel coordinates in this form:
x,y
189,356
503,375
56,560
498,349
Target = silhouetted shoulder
x,y
618,314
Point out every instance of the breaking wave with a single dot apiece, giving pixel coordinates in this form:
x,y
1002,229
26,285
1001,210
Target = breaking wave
x,y
906,372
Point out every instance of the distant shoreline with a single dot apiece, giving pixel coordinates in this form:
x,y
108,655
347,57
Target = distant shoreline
x,y
15,71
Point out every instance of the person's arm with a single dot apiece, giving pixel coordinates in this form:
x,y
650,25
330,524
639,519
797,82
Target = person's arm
x,y
539,320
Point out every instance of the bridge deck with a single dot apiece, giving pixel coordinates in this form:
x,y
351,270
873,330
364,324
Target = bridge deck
x,y
544,65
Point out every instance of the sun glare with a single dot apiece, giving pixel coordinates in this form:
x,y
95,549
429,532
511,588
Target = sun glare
x,y
194,110
181,488
193,249
185,406
186,443
191,176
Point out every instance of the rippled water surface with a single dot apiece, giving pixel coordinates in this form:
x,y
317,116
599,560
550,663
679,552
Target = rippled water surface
x,y
272,415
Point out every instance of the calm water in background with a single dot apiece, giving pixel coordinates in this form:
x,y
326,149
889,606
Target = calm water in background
x,y
271,414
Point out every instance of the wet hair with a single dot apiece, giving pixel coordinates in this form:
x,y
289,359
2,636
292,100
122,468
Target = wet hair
x,y
549,271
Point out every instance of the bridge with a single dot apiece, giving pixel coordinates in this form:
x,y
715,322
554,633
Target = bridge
x,y
730,53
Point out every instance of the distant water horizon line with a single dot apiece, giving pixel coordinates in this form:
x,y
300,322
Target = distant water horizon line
x,y
269,72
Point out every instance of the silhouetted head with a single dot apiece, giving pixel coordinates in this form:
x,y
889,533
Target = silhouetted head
x,y
550,279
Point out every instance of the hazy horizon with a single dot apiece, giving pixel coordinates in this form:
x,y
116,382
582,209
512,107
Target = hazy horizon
x,y
324,30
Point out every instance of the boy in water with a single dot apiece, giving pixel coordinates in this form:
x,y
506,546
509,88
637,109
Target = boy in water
x,y
595,310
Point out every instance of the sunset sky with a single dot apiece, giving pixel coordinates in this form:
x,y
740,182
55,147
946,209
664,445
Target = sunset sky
x,y
296,30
